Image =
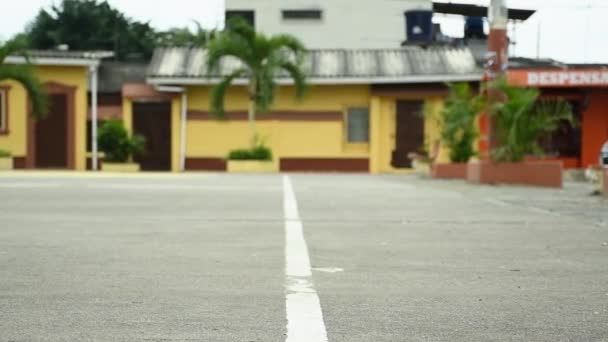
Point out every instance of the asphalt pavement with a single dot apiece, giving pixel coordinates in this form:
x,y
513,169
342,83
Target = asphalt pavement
x,y
202,257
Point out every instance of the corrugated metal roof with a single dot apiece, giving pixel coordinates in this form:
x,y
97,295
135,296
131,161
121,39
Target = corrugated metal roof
x,y
535,63
180,65
70,54
57,57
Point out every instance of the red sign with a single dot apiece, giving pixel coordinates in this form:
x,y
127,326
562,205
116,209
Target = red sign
x,y
559,78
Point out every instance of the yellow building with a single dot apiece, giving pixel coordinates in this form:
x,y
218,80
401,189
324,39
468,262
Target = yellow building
x,y
363,110
59,140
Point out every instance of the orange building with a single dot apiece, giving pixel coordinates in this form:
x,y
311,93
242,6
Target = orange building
x,y
586,88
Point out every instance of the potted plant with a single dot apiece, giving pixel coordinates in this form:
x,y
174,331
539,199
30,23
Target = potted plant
x,y
6,160
458,122
118,147
521,120
255,160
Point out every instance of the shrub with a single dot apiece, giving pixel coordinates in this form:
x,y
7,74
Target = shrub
x,y
521,121
260,152
459,122
115,142
5,154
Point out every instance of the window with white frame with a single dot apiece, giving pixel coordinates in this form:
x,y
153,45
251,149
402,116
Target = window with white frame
x,y
357,124
3,111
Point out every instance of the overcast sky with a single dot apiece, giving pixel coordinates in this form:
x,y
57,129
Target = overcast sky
x,y
571,30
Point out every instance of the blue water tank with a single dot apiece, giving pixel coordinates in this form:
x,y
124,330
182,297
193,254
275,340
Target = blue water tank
x,y
419,26
474,28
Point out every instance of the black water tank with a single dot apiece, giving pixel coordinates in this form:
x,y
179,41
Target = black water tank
x,y
419,26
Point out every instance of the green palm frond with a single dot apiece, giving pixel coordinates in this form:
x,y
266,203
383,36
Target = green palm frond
x,y
15,46
522,120
219,92
560,110
261,50
298,76
290,43
25,75
459,122
225,45
239,27
266,86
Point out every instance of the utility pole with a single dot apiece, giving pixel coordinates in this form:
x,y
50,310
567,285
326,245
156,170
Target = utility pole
x,y
498,53
498,41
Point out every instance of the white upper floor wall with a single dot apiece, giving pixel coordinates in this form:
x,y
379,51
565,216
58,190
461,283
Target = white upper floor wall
x,y
343,24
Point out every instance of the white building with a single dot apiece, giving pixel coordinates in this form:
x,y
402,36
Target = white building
x,y
332,24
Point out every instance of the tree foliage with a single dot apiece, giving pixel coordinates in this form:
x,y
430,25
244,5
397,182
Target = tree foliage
x,y
96,25
23,74
184,37
459,122
91,25
263,59
522,120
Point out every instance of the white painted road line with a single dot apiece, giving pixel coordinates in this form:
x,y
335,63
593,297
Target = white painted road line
x,y
304,316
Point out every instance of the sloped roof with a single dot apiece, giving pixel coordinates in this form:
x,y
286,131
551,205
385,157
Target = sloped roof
x,y
331,66
535,63
58,57
70,54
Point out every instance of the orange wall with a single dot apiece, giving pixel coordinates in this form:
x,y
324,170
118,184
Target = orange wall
x,y
595,127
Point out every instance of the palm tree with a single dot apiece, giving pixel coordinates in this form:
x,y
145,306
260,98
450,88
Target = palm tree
x,y
459,122
262,59
23,74
522,120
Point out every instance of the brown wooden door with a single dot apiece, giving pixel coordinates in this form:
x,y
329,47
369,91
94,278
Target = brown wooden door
x,y
409,132
51,134
153,121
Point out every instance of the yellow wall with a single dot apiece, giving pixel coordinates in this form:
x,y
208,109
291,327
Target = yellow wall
x,y
287,138
316,98
16,141
432,128
127,114
382,134
176,106
383,131
314,139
